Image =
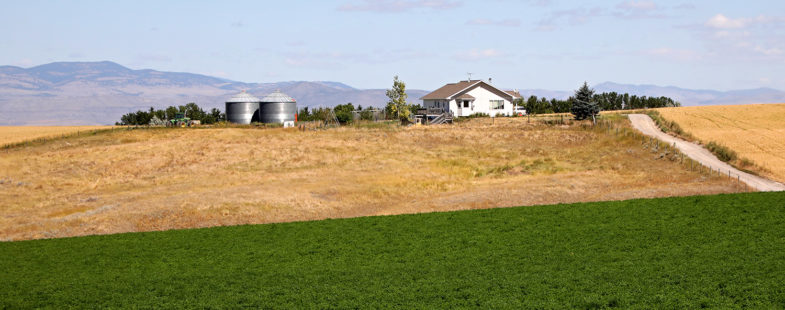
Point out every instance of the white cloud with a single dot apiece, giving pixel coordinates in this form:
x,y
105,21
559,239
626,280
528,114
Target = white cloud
x,y
572,17
540,3
749,39
722,22
639,10
637,5
685,6
768,51
500,22
397,6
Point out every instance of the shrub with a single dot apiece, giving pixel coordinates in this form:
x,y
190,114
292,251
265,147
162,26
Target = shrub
x,y
722,152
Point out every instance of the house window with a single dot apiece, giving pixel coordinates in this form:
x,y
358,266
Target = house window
x,y
497,104
466,103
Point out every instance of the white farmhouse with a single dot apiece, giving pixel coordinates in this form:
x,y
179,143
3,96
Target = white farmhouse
x,y
469,97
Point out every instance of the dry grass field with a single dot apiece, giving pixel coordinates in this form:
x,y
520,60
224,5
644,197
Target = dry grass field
x,y
157,179
755,131
16,134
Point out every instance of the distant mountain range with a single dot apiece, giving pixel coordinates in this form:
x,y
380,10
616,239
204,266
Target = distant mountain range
x,y
687,97
85,93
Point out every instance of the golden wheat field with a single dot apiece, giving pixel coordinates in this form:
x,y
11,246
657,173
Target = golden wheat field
x,y
156,179
15,134
755,131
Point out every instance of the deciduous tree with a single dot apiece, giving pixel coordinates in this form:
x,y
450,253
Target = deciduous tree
x,y
397,104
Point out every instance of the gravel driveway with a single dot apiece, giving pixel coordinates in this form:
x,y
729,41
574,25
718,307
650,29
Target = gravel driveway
x,y
646,125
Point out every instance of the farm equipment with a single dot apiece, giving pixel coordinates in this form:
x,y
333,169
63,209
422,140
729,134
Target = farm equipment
x,y
180,120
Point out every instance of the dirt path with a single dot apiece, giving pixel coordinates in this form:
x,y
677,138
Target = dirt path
x,y
646,125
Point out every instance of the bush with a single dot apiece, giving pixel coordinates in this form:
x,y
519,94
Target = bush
x,y
668,126
343,112
722,152
477,115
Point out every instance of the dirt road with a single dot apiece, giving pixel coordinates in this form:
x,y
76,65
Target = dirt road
x,y
646,125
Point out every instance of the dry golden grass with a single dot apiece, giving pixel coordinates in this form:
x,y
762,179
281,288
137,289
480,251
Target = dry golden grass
x,y
160,179
755,131
16,134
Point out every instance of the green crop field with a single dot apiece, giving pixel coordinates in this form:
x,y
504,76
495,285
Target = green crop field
x,y
690,252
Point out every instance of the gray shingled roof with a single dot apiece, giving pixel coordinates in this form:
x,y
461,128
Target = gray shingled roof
x,y
447,91
450,89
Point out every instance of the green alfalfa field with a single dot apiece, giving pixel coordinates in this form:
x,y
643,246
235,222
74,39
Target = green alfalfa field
x,y
722,251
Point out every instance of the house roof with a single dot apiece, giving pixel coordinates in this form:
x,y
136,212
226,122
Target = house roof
x,y
446,91
514,93
449,91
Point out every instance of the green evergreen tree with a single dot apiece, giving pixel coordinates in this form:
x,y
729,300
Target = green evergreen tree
x,y
531,105
584,106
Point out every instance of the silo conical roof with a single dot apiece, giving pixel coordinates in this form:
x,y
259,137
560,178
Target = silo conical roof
x,y
277,96
242,97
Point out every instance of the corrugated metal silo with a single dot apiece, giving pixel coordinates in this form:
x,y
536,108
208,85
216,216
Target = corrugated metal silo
x,y
242,108
277,108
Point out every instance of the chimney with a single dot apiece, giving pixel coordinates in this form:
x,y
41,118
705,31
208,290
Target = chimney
x,y
490,80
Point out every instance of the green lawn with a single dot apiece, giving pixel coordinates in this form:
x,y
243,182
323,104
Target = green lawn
x,y
716,251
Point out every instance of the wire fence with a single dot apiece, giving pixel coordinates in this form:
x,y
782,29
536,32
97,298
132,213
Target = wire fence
x,y
670,151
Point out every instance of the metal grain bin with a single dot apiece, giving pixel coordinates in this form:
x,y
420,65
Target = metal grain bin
x,y
277,108
242,108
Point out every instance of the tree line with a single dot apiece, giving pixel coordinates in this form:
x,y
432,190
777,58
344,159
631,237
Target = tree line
x,y
345,113
605,101
191,110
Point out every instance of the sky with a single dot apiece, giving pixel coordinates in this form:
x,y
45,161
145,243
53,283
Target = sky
x,y
527,44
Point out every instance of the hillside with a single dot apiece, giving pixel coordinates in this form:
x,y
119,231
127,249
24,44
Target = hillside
x,y
722,251
756,132
15,134
87,93
157,179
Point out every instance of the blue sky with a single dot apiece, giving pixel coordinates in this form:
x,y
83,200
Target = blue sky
x,y
547,44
